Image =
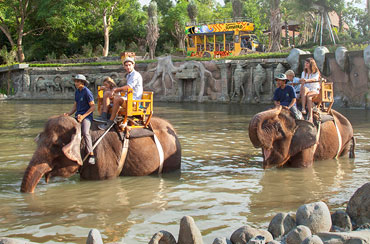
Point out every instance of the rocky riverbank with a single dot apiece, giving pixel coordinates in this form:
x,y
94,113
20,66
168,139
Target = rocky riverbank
x,y
312,223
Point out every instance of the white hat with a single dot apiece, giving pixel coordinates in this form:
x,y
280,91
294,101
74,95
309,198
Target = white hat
x,y
129,59
81,77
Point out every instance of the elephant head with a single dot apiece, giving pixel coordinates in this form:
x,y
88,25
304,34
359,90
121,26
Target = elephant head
x,y
280,136
57,153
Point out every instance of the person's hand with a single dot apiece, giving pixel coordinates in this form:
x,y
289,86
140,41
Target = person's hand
x,y
303,81
66,114
80,118
286,107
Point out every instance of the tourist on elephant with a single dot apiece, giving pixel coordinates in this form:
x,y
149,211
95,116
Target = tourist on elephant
x,y
293,81
108,86
83,108
310,86
285,96
134,81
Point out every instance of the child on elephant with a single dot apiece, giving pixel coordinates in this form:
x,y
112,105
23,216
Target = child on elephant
x,y
83,108
108,86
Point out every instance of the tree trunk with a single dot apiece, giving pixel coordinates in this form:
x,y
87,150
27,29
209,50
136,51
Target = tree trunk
x,y
275,23
106,35
287,41
20,54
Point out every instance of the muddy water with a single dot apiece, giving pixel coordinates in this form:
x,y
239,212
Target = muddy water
x,y
222,185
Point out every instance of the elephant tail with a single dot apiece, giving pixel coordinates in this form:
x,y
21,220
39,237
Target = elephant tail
x,y
352,148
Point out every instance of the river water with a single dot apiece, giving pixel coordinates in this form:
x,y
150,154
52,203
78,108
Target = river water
x,y
222,184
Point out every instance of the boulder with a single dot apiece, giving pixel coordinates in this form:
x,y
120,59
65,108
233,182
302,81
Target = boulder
x,y
341,57
281,224
315,216
189,232
293,58
361,237
245,233
314,239
298,234
273,242
341,221
94,237
257,240
319,56
222,240
4,240
367,59
163,237
358,206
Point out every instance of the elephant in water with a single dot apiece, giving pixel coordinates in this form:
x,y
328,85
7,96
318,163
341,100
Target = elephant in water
x,y
60,151
297,143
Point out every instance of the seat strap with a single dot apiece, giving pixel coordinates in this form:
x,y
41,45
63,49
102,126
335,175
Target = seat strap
x,y
123,156
160,152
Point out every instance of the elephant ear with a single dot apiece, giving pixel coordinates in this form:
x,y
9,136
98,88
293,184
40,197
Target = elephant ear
x,y
303,138
72,150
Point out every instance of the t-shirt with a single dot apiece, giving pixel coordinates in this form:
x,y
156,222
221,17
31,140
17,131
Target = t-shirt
x,y
297,88
314,86
135,81
284,96
83,98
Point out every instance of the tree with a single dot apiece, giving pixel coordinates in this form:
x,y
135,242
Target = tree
x,y
152,29
176,21
109,11
192,11
275,25
13,17
237,8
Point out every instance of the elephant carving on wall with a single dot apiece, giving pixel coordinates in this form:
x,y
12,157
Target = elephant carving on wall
x,y
60,151
43,84
298,143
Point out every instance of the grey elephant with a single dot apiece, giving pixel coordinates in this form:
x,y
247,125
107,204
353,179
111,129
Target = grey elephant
x,y
67,84
45,84
238,79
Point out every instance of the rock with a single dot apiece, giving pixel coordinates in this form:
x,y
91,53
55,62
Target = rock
x,y
94,237
367,56
245,233
358,206
293,58
163,237
257,240
312,240
298,234
281,224
222,240
341,220
352,237
341,57
4,240
319,56
273,242
189,232
315,216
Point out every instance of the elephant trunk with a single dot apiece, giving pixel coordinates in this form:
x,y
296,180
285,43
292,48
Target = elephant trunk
x,y
37,168
260,137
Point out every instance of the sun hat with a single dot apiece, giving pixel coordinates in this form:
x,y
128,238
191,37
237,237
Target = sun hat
x,y
129,59
280,77
82,78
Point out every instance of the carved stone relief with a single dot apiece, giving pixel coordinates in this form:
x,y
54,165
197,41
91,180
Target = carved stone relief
x,y
258,80
293,58
341,57
319,56
238,83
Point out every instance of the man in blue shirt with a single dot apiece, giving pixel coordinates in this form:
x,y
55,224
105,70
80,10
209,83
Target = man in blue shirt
x,y
84,107
285,96
134,81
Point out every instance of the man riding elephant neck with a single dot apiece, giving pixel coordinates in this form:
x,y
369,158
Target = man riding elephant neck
x,y
285,96
84,107
134,82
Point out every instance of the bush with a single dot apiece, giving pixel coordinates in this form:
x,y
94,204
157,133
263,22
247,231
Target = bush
x,y
87,50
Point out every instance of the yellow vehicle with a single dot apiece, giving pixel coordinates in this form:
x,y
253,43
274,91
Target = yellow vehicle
x,y
221,39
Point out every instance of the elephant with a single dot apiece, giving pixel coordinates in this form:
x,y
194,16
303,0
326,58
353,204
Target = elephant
x,y
60,151
297,143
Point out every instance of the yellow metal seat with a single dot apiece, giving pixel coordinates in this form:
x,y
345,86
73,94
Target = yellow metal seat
x,y
325,98
135,113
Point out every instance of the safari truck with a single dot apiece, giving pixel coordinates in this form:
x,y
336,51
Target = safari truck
x,y
221,39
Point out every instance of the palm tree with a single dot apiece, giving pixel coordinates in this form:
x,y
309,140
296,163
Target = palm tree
x,y
275,25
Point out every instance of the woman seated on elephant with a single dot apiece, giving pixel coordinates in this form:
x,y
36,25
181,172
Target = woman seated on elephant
x,y
108,86
310,86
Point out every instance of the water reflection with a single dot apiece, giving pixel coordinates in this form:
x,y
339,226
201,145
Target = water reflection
x,y
222,185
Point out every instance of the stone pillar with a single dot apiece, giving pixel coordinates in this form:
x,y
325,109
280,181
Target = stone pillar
x,y
224,95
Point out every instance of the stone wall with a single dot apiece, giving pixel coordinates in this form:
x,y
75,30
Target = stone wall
x,y
245,81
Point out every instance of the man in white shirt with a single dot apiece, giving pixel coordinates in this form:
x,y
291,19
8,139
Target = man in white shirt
x,y
134,81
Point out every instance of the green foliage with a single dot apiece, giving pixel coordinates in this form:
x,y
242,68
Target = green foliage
x,y
87,50
8,57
